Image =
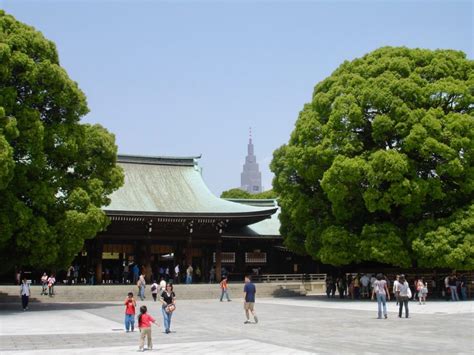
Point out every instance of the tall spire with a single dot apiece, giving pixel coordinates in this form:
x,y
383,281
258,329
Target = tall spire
x,y
250,145
251,178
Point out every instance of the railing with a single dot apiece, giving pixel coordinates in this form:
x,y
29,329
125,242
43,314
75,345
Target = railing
x,y
289,278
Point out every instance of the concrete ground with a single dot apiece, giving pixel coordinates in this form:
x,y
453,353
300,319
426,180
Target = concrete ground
x,y
286,326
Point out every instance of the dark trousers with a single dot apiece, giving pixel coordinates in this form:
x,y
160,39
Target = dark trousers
x,y
24,301
154,296
403,301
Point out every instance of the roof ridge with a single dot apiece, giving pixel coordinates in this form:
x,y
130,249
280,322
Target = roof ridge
x,y
158,160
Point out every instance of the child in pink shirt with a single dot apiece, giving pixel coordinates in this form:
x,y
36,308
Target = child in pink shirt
x,y
144,324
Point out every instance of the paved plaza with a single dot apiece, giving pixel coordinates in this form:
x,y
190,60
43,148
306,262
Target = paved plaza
x,y
286,326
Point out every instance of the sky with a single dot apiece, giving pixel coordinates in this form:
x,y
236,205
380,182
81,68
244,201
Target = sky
x,y
185,78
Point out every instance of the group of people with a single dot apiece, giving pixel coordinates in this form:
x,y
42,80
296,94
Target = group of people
x,y
360,286
456,287
47,284
401,291
168,306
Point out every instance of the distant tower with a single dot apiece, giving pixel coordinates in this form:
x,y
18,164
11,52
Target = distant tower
x,y
251,178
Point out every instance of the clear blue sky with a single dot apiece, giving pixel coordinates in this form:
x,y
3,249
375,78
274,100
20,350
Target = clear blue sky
x,y
190,77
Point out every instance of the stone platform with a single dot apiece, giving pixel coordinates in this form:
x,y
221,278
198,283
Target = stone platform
x,y
286,326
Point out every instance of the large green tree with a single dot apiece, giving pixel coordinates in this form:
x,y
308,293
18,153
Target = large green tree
x,y
55,173
239,193
379,166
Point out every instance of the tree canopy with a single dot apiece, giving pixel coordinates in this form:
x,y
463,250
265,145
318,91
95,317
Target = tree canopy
x,y
379,166
239,193
55,173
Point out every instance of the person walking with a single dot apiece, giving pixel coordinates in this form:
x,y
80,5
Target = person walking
x,y
422,288
447,290
380,290
141,286
168,300
154,290
70,274
350,286
189,275
464,287
341,284
51,282
395,287
403,295
144,324
224,289
453,287
130,305
126,270
44,284
198,274
24,293
212,275
176,274
249,299
135,272
365,281
357,287
75,279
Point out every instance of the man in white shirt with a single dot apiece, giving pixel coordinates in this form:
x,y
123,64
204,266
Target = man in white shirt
x,y
396,283
446,287
44,284
176,274
25,293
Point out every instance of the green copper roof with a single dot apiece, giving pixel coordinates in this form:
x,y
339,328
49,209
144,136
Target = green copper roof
x,y
267,228
172,186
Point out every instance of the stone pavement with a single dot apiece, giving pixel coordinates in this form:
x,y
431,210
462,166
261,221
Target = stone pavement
x,y
286,326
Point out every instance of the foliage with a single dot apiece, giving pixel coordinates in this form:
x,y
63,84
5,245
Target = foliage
x,y
55,173
238,193
379,166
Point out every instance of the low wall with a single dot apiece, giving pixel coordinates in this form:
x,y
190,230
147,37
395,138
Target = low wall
x,y
110,293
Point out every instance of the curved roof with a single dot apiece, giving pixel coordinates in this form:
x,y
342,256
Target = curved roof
x,y
267,228
173,186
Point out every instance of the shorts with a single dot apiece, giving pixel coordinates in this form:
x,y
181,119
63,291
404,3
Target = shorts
x,y
248,306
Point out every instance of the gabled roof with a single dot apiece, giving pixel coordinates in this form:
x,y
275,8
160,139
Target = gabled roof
x,y
173,186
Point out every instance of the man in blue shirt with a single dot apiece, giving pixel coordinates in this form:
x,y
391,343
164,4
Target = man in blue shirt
x,y
249,299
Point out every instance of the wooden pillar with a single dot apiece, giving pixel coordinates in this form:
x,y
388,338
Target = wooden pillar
x,y
146,262
205,264
189,252
98,261
240,258
219,259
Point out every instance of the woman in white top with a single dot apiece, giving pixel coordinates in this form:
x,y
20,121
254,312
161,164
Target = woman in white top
x,y
403,294
422,289
381,290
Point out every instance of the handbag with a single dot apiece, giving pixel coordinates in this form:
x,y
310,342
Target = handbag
x,y
170,308
409,292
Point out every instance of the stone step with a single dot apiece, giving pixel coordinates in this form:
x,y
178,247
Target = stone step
x,y
102,293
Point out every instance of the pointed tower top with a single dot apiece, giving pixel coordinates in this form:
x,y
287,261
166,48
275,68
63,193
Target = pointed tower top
x,y
250,134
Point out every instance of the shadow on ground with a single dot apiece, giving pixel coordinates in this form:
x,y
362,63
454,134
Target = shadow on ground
x,y
10,307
